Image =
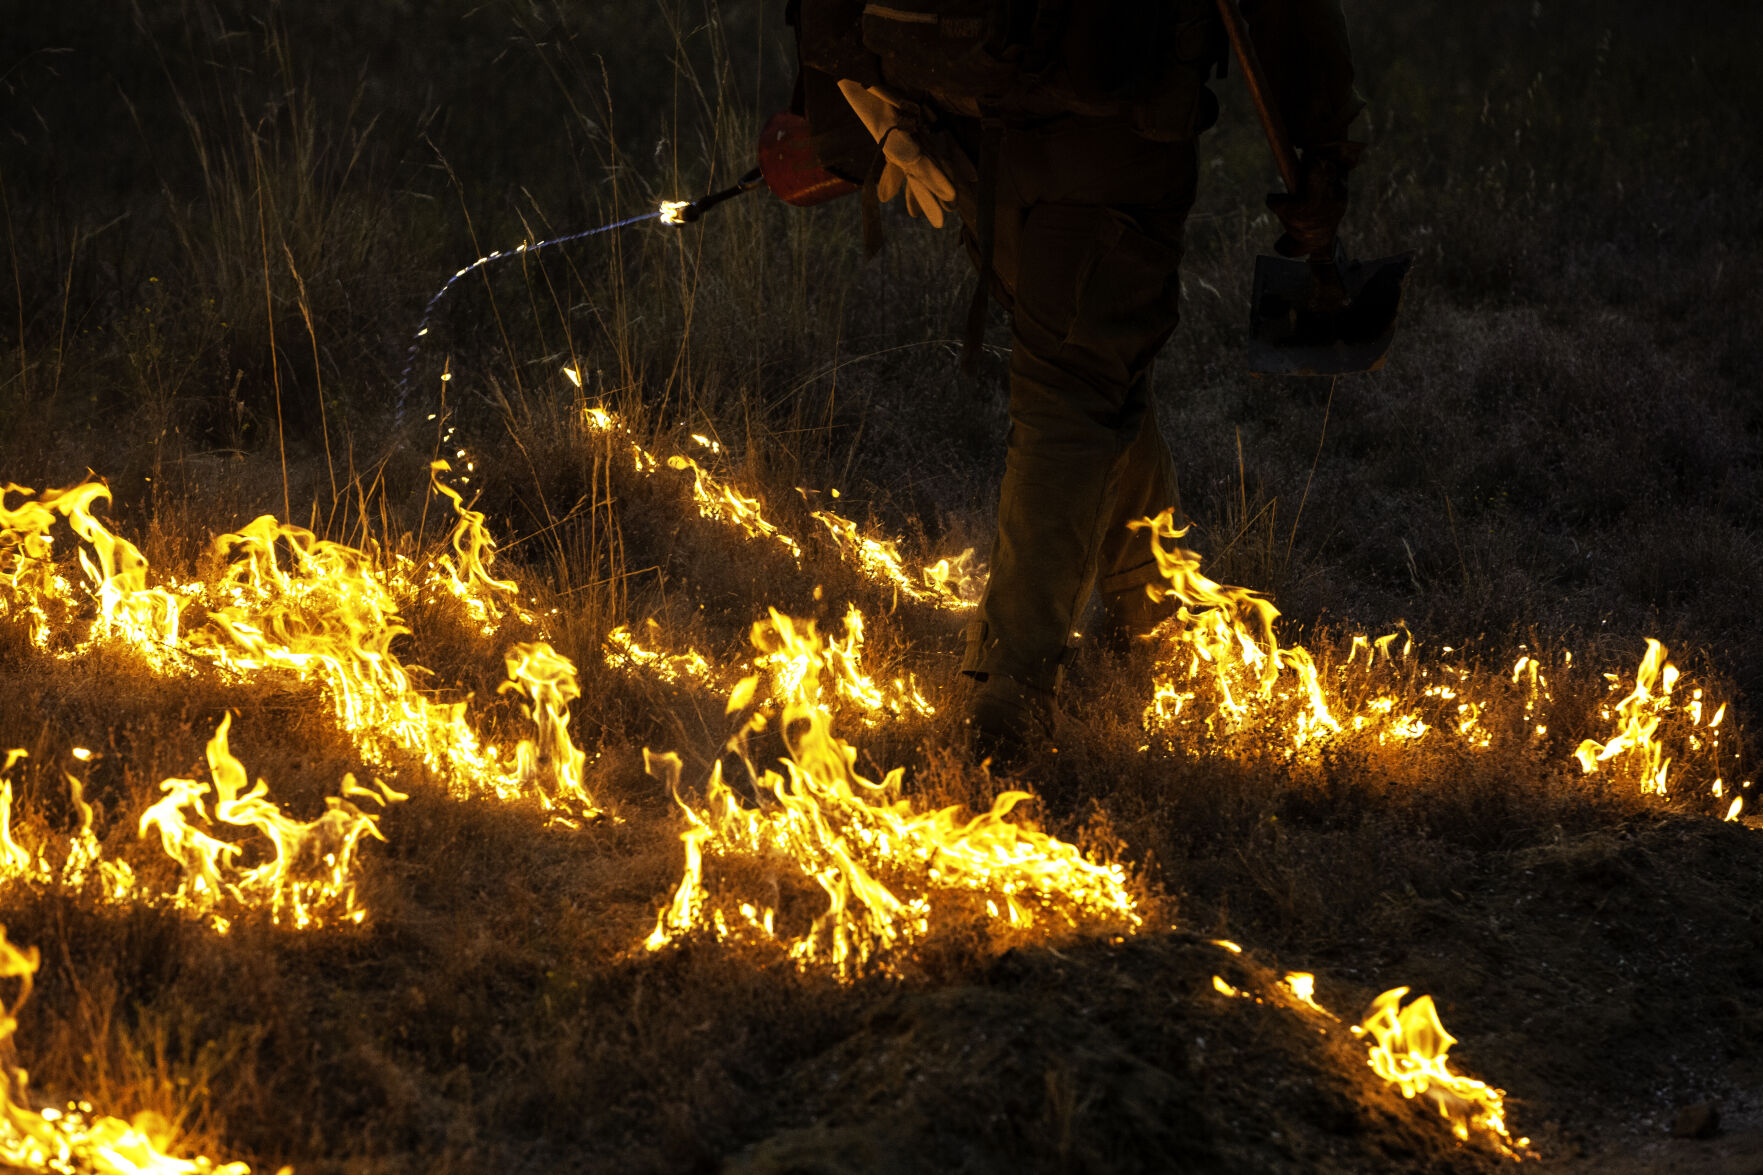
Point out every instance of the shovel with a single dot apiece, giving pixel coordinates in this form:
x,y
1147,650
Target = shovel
x,y
1325,315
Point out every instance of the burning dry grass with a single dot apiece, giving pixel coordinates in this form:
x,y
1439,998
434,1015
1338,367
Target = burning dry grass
x,y
807,862
859,964
894,881
72,1138
888,870
893,877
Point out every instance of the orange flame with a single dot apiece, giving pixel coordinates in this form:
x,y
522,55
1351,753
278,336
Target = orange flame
x,y
951,583
1225,637
958,580
466,573
75,1138
1302,985
1638,717
15,860
328,613
798,661
888,872
721,501
291,602
82,862
623,652
115,571
551,767
942,585
1408,1050
1219,664
307,878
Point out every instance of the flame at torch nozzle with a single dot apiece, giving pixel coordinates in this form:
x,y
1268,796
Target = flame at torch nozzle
x,y
687,211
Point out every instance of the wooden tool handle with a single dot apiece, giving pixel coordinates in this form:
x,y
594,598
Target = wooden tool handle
x,y
1283,155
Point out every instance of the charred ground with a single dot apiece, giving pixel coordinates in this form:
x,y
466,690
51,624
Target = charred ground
x,y
1563,454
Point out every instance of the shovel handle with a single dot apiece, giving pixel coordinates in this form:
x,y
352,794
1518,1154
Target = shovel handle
x,y
1238,31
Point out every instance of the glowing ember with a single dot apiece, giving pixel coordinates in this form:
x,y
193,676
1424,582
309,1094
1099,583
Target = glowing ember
x,y
1223,987
1302,985
1408,1050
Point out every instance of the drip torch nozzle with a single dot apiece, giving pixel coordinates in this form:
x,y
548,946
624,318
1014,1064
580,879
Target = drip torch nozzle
x,y
685,212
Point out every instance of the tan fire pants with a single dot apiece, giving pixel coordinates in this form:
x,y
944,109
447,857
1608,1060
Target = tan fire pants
x,y
1087,248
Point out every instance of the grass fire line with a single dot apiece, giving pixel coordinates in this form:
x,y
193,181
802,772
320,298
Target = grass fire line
x,y
290,603
306,879
75,1137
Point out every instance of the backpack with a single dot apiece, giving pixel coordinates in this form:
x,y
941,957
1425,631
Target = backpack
x,y
1146,61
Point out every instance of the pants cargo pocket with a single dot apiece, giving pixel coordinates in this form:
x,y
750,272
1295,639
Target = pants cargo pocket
x,y
1130,296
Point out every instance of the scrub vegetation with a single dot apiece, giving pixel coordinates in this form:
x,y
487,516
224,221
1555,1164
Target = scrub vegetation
x,y
222,223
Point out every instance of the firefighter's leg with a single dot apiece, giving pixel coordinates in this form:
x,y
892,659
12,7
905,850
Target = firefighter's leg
x,y
1127,566
1095,296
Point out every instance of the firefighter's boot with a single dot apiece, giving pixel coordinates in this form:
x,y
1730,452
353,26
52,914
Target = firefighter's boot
x,y
1008,721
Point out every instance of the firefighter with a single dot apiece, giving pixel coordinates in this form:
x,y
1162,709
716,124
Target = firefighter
x,y
1063,136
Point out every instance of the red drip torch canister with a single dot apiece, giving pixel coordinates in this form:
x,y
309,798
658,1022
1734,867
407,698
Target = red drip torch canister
x,y
792,172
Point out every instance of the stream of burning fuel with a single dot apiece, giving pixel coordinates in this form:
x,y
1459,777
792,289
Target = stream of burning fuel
x,y
952,583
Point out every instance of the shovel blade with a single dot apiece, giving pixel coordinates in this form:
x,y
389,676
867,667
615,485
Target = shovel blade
x,y
1287,337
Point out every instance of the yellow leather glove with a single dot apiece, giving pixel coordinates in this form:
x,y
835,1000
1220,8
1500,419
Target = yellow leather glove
x,y
928,191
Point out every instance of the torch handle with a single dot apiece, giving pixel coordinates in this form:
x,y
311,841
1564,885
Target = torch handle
x,y
703,204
